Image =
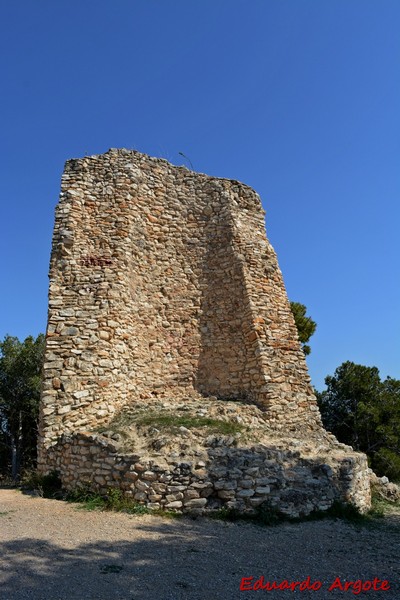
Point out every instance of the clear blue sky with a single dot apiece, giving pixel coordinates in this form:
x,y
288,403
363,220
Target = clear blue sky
x,y
298,98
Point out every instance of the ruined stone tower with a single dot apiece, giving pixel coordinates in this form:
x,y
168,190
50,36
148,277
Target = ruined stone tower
x,y
164,290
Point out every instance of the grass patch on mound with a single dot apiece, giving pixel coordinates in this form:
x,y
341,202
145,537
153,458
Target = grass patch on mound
x,y
170,421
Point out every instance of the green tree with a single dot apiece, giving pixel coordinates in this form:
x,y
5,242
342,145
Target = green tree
x,y
20,382
387,456
305,325
364,412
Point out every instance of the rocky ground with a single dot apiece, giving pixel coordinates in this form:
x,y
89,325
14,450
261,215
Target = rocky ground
x,y
52,550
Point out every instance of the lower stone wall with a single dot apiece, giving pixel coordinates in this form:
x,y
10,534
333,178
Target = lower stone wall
x,y
295,481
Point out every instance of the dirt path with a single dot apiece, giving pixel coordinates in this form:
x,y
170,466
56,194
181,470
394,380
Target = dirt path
x,y
50,550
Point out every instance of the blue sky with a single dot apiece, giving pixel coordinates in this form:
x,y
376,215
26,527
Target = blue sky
x,y
297,98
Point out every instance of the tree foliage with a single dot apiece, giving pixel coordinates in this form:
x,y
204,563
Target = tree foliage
x,y
305,325
20,381
364,412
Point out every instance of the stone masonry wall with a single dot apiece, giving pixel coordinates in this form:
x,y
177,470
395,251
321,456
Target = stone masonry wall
x,y
285,475
162,281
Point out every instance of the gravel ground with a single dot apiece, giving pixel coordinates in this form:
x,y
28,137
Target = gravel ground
x,y
51,550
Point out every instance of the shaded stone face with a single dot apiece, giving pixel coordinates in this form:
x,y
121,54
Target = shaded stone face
x,y
162,282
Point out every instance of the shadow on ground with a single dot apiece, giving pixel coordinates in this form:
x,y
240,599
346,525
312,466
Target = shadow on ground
x,y
201,559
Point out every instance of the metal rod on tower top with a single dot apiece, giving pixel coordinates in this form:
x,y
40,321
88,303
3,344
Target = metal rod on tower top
x,y
187,158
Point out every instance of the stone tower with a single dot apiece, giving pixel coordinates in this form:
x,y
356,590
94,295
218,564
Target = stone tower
x,y
164,288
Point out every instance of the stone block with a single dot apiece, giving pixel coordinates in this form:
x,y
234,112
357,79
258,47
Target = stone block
x,y
245,493
195,503
174,504
263,490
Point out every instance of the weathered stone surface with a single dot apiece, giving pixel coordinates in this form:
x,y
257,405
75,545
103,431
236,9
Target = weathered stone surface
x,y
387,490
165,296
195,503
174,504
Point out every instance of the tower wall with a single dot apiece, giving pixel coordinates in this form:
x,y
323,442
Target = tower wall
x,y
163,283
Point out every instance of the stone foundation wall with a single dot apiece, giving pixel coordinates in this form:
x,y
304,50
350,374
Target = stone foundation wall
x,y
240,478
